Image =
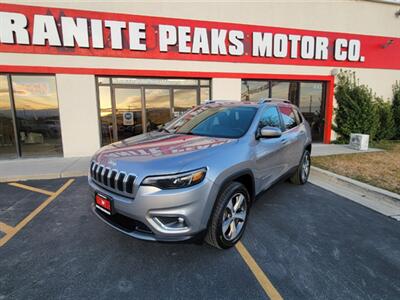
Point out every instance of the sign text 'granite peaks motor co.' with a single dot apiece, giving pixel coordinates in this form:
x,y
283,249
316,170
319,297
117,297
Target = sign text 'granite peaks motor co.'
x,y
63,31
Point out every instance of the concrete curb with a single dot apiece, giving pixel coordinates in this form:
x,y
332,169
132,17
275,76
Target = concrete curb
x,y
359,184
377,199
43,168
5,179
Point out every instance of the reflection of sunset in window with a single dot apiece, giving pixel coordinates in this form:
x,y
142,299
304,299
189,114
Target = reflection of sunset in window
x,y
157,98
151,101
105,101
184,99
34,92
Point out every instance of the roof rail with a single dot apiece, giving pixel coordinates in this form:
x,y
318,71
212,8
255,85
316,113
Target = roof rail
x,y
274,100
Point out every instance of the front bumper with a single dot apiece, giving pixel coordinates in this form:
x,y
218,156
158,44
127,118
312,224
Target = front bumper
x,y
140,216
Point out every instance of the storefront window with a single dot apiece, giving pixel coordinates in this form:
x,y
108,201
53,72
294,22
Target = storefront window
x,y
129,105
286,90
311,106
158,107
308,96
106,115
103,80
184,99
7,135
255,90
128,112
37,116
204,94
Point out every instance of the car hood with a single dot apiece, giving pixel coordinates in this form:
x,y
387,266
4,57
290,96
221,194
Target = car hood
x,y
158,152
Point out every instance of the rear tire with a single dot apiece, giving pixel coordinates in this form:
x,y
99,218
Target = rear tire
x,y
229,217
302,172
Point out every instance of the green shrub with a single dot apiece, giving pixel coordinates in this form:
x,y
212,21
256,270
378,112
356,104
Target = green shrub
x,y
396,109
356,111
386,128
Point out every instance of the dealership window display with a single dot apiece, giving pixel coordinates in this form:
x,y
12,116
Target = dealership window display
x,y
309,96
29,117
129,106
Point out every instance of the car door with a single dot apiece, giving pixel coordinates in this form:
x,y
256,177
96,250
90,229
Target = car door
x,y
269,156
291,137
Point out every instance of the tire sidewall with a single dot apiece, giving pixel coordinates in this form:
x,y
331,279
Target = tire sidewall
x,y
304,180
240,188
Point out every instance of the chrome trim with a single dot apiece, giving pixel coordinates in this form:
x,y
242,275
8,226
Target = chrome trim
x,y
103,172
100,179
124,181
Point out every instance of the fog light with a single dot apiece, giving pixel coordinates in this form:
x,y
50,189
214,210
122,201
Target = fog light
x,y
171,223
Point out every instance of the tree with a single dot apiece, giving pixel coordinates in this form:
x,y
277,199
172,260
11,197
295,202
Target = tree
x,y
356,112
396,108
386,128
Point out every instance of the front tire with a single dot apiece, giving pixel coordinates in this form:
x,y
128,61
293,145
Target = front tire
x,y
229,217
303,169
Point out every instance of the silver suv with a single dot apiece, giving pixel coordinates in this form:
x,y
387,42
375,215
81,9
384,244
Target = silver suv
x,y
197,176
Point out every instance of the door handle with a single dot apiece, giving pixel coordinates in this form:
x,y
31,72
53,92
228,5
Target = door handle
x,y
284,141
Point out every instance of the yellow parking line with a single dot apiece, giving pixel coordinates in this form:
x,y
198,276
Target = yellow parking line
x,y
5,228
14,230
262,279
31,188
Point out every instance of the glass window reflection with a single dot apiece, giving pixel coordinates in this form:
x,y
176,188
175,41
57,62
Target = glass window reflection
x,y
128,110
37,115
7,137
311,106
157,107
255,90
184,99
106,116
286,90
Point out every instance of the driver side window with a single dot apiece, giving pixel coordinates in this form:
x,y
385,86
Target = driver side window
x,y
270,117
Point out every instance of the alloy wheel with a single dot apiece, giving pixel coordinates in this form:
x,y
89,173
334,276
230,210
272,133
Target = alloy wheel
x,y
305,170
234,216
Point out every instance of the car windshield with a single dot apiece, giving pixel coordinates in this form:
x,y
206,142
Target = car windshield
x,y
215,121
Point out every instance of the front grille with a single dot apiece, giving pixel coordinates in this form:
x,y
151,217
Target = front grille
x,y
120,182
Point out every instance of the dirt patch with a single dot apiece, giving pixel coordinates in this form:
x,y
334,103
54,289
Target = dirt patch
x,y
381,169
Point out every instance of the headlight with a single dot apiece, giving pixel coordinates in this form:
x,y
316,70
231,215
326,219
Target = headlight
x,y
176,181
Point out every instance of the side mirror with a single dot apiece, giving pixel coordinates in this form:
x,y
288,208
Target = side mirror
x,y
270,132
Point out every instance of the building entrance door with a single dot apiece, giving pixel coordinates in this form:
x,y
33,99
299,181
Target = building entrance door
x,y
129,106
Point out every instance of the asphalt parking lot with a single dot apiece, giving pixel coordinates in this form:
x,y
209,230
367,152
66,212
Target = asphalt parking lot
x,y
301,243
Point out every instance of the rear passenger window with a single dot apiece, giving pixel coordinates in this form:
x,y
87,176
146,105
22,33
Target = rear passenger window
x,y
289,120
270,117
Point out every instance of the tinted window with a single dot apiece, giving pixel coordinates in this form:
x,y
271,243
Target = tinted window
x,y
38,121
215,120
288,117
270,117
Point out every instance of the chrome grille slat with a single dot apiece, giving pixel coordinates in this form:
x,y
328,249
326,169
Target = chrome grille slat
x,y
120,182
124,183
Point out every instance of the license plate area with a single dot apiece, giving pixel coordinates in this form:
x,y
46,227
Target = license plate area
x,y
103,203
